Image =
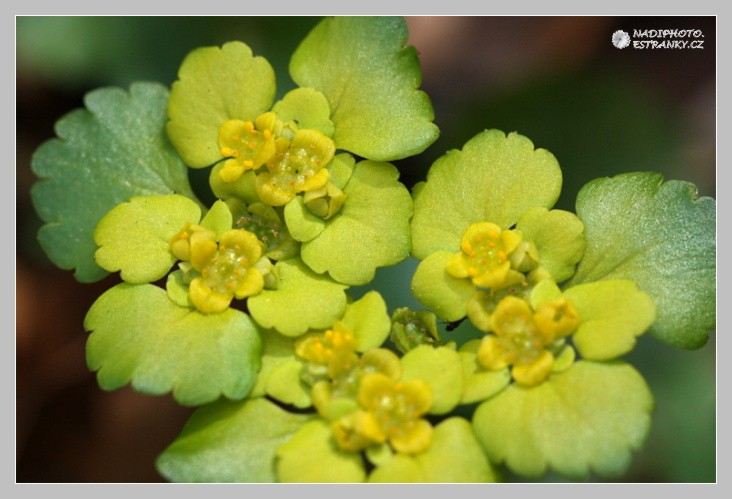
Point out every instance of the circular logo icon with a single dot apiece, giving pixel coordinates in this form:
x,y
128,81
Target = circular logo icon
x,y
621,39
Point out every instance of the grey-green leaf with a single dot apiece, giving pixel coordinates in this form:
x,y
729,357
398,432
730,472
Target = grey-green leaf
x,y
660,235
105,154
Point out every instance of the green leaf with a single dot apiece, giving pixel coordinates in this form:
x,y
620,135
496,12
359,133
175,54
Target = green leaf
x,y
660,235
587,418
559,239
370,77
446,295
479,383
303,225
218,218
111,151
216,84
302,301
280,372
370,231
442,369
612,314
341,169
177,287
308,107
138,335
285,385
230,442
312,456
454,456
243,188
369,320
134,237
494,178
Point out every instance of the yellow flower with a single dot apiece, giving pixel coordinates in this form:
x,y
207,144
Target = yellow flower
x,y
227,268
335,349
390,411
491,257
298,166
522,336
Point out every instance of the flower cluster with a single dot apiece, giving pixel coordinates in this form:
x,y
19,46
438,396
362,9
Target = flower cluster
x,y
388,410
298,376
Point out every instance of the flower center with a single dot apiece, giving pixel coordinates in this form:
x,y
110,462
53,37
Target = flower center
x,y
517,333
298,166
227,269
487,257
269,232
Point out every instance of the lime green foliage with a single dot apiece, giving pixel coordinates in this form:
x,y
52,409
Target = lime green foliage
x,y
369,321
453,442
612,314
493,250
134,237
462,216
139,336
302,301
312,456
111,151
494,178
559,239
370,78
218,219
308,107
660,235
587,419
479,383
442,369
372,229
280,373
230,442
448,296
215,85
280,376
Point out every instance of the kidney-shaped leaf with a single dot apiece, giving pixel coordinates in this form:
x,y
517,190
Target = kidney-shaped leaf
x,y
370,77
139,336
111,151
587,418
660,235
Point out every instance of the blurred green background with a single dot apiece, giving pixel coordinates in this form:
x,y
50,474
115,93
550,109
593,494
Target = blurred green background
x,y
558,80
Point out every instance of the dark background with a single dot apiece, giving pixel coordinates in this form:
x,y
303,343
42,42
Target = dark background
x,y
557,80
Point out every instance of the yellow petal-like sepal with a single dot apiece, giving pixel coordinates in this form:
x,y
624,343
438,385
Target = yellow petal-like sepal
x,y
207,300
490,354
248,145
534,373
413,440
556,319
